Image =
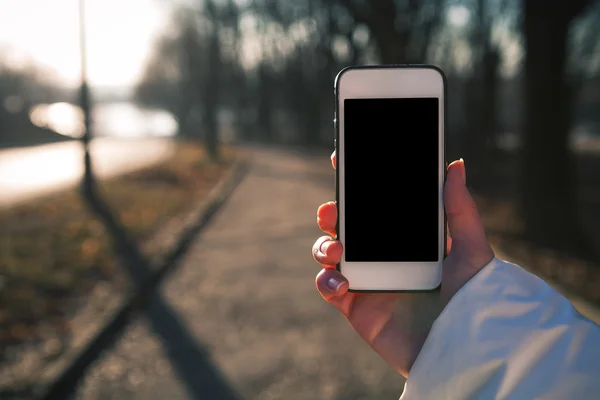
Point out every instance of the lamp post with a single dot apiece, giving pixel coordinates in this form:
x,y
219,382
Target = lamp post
x,y
84,99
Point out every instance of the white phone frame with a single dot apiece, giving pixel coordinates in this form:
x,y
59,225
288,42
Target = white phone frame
x,y
391,82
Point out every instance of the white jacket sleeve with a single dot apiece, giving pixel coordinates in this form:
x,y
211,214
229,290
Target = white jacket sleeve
x,y
508,335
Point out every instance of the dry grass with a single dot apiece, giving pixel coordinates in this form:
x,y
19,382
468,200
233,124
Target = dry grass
x,y
53,249
505,230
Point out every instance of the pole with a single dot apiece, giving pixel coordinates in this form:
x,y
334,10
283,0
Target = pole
x,y
84,99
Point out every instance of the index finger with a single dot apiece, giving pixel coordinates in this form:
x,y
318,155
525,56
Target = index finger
x,y
333,159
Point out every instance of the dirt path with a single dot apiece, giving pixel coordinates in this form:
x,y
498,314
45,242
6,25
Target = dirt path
x,y
242,310
242,314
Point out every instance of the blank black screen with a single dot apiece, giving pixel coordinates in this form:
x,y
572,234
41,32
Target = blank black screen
x,y
391,179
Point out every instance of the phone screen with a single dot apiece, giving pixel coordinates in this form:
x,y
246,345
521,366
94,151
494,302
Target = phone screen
x,y
391,179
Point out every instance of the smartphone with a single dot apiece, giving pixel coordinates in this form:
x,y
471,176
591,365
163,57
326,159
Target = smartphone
x,y
390,174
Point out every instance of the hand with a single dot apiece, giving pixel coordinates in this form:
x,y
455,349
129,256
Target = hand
x,y
392,323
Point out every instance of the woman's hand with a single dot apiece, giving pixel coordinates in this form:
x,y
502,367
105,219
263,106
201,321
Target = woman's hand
x,y
396,325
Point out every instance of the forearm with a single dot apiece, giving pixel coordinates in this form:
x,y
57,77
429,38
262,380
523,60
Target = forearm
x,y
507,334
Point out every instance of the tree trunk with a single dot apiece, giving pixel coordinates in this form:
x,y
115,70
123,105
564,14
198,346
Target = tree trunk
x,y
183,109
474,143
491,62
265,104
312,118
548,191
211,98
481,99
489,112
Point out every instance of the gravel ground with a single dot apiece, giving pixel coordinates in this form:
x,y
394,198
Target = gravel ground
x,y
241,316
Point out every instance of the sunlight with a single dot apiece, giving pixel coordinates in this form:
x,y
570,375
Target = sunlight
x,y
458,15
21,169
63,118
120,36
125,120
31,172
122,120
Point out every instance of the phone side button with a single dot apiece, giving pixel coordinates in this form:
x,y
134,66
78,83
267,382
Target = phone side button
x,y
334,132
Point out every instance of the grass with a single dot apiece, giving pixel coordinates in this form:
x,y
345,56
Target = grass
x,y
146,199
53,249
505,232
497,200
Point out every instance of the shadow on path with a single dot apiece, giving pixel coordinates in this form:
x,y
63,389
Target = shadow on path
x,y
192,364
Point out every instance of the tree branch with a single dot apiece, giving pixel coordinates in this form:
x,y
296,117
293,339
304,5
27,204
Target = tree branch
x,y
360,14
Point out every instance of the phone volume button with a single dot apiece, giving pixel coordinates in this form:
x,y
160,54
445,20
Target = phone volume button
x,y
334,131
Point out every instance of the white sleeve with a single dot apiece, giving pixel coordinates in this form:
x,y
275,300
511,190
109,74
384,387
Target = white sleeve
x,y
508,335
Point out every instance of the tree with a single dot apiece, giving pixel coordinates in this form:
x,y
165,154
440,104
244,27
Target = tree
x,y
188,68
482,91
165,84
20,89
398,38
548,191
280,65
583,63
210,88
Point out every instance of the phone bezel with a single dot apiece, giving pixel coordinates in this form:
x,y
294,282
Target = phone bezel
x,y
391,81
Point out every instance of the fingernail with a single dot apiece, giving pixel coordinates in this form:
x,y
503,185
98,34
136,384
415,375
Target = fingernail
x,y
334,283
325,245
464,171
331,156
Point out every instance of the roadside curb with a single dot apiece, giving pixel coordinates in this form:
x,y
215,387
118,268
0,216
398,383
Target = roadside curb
x,y
63,381
169,236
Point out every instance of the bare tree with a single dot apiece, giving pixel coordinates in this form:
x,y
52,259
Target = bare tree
x,y
482,92
165,83
583,58
402,32
188,70
548,190
301,46
211,86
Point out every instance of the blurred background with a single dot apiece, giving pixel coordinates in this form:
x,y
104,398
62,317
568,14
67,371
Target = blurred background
x,y
124,126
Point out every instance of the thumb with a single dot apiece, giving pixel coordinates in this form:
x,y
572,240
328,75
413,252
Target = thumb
x,y
464,223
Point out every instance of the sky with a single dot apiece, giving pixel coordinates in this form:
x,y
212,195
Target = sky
x,y
120,36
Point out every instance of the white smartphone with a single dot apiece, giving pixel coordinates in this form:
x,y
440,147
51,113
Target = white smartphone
x,y
390,174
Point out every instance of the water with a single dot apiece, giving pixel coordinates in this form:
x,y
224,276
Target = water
x,y
128,120
121,119
127,138
29,172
